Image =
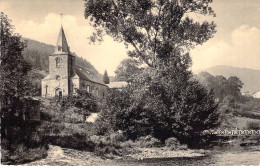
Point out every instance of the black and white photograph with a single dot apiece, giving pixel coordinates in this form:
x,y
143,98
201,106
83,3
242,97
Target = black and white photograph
x,y
130,82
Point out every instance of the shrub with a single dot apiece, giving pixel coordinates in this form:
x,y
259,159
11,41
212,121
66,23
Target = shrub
x,y
21,153
75,141
117,137
105,149
148,141
128,144
252,125
172,142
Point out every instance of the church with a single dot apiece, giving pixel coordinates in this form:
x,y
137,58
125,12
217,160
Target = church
x,y
65,77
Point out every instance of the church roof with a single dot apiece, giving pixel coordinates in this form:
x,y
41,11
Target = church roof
x,y
87,74
62,45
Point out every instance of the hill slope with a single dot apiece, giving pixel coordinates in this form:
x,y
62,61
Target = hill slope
x,y
250,77
37,54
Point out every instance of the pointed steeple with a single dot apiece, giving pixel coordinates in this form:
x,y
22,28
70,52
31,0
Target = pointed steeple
x,y
62,45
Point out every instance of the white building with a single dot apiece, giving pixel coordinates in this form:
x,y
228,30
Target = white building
x,y
257,95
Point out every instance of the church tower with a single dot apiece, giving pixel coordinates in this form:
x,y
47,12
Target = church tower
x,y
59,80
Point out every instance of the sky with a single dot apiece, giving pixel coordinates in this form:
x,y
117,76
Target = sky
x,y
236,43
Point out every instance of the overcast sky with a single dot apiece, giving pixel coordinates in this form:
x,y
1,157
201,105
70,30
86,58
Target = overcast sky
x,y
236,43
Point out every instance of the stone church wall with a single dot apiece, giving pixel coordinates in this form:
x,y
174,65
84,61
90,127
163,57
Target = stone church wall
x,y
97,89
52,86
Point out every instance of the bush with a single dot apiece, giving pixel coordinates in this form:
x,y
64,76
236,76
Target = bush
x,y
128,144
21,153
107,149
148,141
172,142
117,137
75,141
252,125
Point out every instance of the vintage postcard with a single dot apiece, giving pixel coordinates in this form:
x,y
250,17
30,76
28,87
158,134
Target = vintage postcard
x,y
130,82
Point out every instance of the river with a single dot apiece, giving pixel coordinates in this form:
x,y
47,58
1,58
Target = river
x,y
62,156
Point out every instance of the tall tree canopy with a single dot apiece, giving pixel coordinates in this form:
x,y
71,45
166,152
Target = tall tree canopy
x,y
161,100
13,70
157,29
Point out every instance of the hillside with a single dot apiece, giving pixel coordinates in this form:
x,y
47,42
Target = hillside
x,y
37,54
250,77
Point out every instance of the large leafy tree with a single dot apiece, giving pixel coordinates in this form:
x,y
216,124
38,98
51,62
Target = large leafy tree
x,y
156,29
13,72
163,100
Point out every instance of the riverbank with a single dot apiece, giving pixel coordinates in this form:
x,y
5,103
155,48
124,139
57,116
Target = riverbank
x,y
151,156
63,156
146,153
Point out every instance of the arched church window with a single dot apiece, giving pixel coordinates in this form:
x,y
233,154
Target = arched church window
x,y
57,62
57,77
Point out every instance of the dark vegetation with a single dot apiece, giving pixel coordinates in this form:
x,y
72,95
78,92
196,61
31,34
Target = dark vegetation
x,y
106,79
20,139
160,100
228,92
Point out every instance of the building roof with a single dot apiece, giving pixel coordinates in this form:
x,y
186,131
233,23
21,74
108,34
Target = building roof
x,y
118,84
87,74
257,95
62,45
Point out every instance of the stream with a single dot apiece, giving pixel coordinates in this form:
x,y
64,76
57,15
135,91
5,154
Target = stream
x,y
62,156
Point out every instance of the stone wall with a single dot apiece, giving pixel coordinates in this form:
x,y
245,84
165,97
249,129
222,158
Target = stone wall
x,y
97,89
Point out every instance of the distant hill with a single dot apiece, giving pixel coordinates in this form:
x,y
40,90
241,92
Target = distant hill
x,y
250,77
37,54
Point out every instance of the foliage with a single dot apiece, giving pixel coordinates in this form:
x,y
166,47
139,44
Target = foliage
x,y
222,86
13,70
252,125
228,108
174,144
155,29
74,141
127,69
161,100
106,78
138,113
148,141
85,101
22,154
21,136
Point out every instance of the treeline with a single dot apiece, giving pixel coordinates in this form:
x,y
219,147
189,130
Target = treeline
x,y
222,86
